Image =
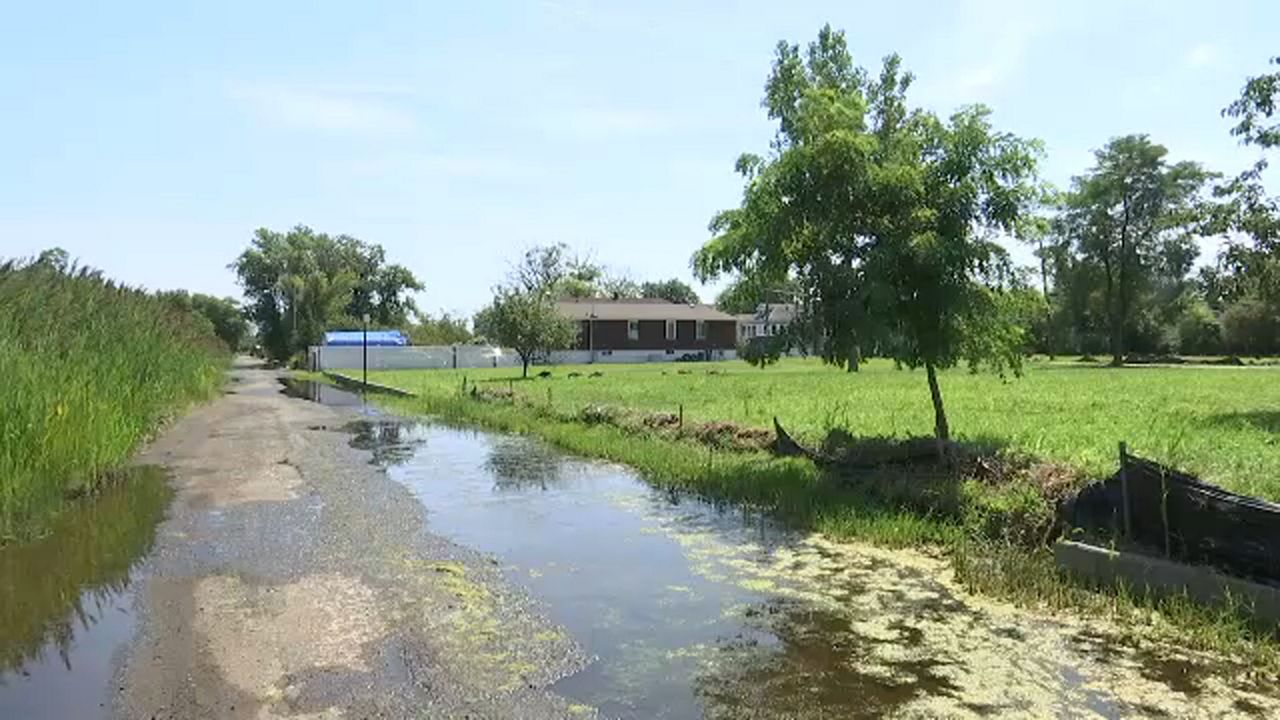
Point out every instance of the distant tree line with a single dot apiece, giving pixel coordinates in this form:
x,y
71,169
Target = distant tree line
x,y
300,283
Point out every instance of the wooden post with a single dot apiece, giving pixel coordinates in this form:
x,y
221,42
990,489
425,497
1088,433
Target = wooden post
x,y
464,384
1124,493
680,426
548,397
1164,513
511,386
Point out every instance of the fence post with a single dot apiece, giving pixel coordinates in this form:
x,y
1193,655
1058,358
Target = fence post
x,y
464,384
1164,513
680,426
1124,493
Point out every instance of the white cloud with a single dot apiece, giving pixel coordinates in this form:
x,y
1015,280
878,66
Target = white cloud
x,y
1202,56
340,108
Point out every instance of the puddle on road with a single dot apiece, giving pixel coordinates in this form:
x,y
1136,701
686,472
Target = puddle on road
x,y
66,600
317,392
691,610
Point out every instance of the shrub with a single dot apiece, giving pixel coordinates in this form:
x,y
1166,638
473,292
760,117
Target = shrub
x,y
1249,327
1199,332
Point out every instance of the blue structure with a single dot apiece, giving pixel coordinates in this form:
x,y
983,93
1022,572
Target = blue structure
x,y
355,338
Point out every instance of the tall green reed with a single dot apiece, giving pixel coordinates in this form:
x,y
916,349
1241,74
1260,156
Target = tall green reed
x,y
88,369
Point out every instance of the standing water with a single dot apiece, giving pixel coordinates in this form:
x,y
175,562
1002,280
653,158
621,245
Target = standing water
x,y
689,609
66,600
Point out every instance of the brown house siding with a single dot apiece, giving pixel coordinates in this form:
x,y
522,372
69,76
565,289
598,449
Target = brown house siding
x,y
612,335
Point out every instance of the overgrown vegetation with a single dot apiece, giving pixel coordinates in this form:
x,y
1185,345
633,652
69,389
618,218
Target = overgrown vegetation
x,y
90,369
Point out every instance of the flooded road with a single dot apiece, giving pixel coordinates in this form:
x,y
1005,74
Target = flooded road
x,y
66,600
323,560
693,610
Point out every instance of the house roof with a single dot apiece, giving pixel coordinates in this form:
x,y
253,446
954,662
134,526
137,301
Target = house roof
x,y
773,313
644,309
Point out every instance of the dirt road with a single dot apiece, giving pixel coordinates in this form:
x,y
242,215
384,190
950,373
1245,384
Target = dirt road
x,y
293,579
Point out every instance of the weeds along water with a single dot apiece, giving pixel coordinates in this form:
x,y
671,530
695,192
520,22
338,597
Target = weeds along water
x,y
90,368
994,533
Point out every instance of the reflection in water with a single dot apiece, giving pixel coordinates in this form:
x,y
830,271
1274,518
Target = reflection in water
x,y
322,393
65,600
694,610
51,587
813,664
392,442
518,465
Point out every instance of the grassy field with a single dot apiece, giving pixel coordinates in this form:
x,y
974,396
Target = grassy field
x,y
1222,423
89,369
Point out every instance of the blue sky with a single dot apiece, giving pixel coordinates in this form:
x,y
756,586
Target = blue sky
x,y
150,139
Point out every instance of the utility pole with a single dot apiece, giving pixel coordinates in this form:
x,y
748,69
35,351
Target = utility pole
x,y
365,353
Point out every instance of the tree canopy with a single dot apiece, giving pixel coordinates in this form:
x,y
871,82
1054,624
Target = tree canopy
x,y
673,290
1135,217
883,214
523,313
301,283
224,314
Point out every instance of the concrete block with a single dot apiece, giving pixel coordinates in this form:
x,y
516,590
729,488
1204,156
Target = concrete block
x,y
1163,577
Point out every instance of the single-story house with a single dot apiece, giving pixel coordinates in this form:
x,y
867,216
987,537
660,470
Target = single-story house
x,y
766,321
647,330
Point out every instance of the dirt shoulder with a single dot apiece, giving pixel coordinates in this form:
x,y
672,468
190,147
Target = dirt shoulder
x,y
292,578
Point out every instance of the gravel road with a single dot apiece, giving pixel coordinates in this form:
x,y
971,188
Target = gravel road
x,y
292,578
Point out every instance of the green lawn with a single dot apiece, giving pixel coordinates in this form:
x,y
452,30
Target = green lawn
x,y
1220,422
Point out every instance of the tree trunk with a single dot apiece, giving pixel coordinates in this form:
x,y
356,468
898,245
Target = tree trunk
x,y
1122,302
1112,312
940,429
524,363
1048,306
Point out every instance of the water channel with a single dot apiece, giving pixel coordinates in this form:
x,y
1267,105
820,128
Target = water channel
x,y
690,609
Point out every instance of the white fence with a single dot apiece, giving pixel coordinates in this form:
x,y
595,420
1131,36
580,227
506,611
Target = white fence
x,y
419,357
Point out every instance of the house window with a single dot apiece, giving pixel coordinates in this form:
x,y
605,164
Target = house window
x,y
671,329
633,329
702,329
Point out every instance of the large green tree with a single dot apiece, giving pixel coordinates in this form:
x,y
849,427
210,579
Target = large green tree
x,y
673,290
224,314
883,214
443,330
527,322
1134,216
1249,266
300,283
523,314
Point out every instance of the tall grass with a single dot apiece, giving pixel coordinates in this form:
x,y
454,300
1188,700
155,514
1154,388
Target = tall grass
x,y
88,368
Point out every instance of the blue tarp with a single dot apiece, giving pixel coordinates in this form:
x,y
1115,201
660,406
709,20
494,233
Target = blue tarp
x,y
377,338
